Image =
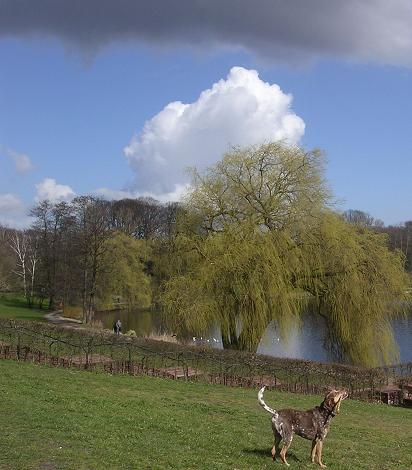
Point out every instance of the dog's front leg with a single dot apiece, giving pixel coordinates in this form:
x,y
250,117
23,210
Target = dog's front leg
x,y
318,448
314,449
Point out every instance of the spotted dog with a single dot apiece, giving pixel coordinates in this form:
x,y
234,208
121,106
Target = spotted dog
x,y
312,424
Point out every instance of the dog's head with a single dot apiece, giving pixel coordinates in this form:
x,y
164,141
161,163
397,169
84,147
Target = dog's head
x,y
333,399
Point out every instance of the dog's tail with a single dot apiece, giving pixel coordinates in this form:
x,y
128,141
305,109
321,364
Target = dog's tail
x,y
263,404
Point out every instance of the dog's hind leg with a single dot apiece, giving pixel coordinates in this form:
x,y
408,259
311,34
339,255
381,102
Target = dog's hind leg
x,y
287,440
278,438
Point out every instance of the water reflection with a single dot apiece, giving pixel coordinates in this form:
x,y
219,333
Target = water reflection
x,y
306,342
403,336
143,322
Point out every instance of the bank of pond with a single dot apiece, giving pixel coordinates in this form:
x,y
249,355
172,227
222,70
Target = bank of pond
x,y
307,341
122,354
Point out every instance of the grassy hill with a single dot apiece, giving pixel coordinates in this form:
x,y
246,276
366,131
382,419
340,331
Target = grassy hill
x,y
15,306
53,418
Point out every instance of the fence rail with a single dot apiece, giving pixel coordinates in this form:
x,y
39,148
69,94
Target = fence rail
x,y
99,350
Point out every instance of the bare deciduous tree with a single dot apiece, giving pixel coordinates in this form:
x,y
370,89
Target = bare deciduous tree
x,y
51,222
6,259
18,242
92,222
33,258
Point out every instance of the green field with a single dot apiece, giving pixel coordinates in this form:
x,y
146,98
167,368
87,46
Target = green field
x,y
15,306
53,418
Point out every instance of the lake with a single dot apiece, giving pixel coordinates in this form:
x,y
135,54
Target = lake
x,y
306,342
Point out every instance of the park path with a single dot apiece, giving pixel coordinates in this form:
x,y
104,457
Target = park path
x,y
57,318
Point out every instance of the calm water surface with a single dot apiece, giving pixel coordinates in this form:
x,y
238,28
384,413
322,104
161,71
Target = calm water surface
x,y
306,342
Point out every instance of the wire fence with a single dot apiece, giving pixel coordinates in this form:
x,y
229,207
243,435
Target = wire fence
x,y
102,351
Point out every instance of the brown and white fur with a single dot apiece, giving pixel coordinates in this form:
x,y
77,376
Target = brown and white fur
x,y
311,424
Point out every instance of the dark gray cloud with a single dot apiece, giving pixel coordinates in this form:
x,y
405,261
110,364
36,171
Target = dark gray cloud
x,y
367,30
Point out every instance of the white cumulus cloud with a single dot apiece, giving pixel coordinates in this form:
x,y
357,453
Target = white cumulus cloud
x,y
54,192
241,110
21,161
113,194
10,203
13,213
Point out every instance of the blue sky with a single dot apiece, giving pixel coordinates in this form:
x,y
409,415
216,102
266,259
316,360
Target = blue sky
x,y
72,115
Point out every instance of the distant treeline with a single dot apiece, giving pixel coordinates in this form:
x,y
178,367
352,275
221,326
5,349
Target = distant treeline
x,y
35,260
254,242
87,251
399,236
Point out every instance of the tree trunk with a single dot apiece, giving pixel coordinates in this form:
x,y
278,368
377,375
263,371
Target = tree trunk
x,y
229,338
247,340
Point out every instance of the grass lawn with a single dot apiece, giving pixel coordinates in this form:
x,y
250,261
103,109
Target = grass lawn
x,y
53,418
15,306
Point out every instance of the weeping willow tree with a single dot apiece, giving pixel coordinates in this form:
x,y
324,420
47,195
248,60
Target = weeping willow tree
x,y
257,242
358,286
122,274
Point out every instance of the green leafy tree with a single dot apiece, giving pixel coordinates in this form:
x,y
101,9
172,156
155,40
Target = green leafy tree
x,y
258,243
122,274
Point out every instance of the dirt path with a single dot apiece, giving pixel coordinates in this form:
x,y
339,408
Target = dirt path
x,y
57,319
